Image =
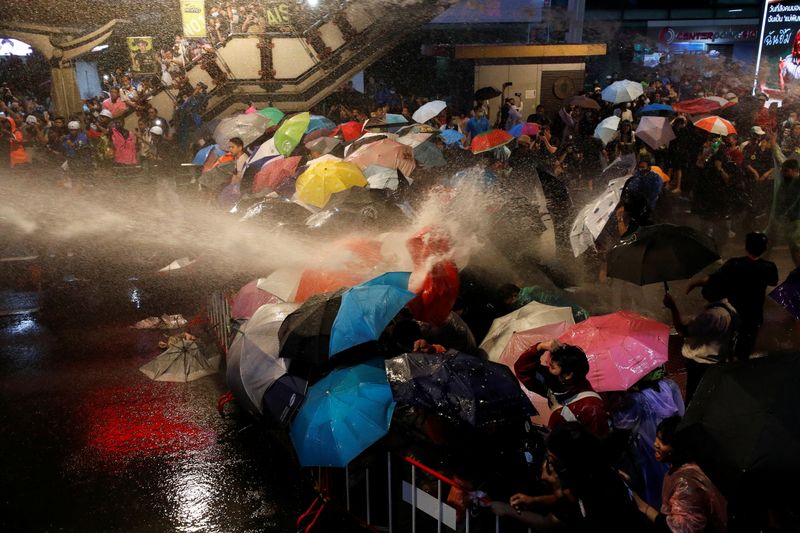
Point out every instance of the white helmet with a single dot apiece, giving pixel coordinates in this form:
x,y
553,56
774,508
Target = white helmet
x,y
106,113
74,125
156,130
31,119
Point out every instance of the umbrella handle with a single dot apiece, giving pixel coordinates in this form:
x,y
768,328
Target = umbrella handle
x,y
666,286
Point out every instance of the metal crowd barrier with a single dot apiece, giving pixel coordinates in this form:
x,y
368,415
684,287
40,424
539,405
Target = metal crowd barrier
x,y
219,317
389,493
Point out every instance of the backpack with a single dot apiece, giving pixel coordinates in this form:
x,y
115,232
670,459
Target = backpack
x,y
728,349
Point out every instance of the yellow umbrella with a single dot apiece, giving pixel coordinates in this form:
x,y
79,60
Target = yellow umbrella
x,y
316,185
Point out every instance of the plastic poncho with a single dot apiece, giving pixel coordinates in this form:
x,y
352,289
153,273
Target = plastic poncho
x,y
18,154
691,502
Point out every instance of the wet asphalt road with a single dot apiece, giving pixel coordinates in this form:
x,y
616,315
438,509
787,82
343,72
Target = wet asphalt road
x,y
91,444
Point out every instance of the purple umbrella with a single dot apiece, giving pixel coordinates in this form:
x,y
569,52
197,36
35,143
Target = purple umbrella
x,y
249,299
788,293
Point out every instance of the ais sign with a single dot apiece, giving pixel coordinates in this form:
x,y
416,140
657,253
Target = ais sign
x,y
778,64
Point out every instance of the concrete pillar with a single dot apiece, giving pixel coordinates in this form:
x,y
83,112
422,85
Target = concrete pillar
x,y
64,90
575,13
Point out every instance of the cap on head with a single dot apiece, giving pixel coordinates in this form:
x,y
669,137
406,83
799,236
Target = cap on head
x,y
156,130
31,119
73,125
757,130
106,113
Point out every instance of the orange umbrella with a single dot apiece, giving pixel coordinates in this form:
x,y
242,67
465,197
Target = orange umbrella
x,y
386,153
490,140
275,172
663,175
716,125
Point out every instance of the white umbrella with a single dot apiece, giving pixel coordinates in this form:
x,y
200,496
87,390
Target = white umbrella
x,y
622,91
248,127
182,361
655,131
282,283
429,111
607,130
527,317
380,177
592,219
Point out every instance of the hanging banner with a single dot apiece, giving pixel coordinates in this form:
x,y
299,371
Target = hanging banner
x,y
778,63
193,13
143,57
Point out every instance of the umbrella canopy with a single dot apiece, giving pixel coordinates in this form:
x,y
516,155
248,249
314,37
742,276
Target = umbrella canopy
x,y
429,155
593,218
305,334
716,125
282,283
182,361
367,309
202,155
527,317
460,387
318,122
343,415
657,109
622,348
662,252
701,106
622,91
323,145
249,299
253,365
742,425
264,153
584,101
291,133
608,129
451,137
380,177
274,115
349,131
275,210
394,118
530,128
218,176
247,127
490,140
487,93
386,153
787,294
315,185
416,128
428,111
655,131
275,172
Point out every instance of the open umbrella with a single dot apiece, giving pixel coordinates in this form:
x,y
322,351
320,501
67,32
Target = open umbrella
x,y
416,128
305,334
349,131
249,299
584,101
264,153
428,111
247,127
315,185
323,145
274,115
702,106
655,131
182,361
487,93
275,172
787,293
529,316
202,155
386,153
367,309
661,253
742,425
716,125
451,137
380,177
318,122
622,348
343,415
595,216
657,109
608,129
253,366
460,387
291,133
490,140
622,91
282,283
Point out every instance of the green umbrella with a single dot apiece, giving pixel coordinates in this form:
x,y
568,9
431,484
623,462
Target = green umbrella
x,y
291,132
274,115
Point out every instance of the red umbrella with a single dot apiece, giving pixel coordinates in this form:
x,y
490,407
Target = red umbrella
x,y
275,172
622,348
437,293
716,125
350,131
490,140
699,106
249,299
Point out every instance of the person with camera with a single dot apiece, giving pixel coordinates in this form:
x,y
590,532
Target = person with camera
x,y
512,112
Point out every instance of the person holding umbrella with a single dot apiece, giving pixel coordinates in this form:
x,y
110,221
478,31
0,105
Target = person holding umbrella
x,y
709,338
690,500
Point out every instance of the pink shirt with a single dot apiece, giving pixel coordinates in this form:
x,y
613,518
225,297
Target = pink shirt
x,y
117,108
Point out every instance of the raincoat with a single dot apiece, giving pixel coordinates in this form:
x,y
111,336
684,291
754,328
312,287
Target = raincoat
x,y
691,502
18,154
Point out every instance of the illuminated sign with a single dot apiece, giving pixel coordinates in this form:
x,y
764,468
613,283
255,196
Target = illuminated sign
x,y
669,35
778,64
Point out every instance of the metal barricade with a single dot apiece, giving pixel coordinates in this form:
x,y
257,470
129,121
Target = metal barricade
x,y
219,317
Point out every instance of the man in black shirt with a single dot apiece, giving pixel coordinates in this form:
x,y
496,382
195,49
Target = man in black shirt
x,y
745,280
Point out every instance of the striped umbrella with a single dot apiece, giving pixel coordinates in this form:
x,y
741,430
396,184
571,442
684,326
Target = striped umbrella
x,y
716,125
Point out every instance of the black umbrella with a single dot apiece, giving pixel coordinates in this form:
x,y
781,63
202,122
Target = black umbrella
x,y
460,387
743,425
305,334
487,93
661,253
358,208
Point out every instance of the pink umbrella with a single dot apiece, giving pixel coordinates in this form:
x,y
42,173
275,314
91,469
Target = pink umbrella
x,y
521,341
249,299
275,172
621,347
531,129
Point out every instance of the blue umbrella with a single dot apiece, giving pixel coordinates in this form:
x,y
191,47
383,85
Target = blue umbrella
x,y
319,122
202,154
516,131
656,108
367,309
343,415
451,137
392,118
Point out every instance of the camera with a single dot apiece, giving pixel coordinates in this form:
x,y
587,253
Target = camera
x,y
518,95
507,84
